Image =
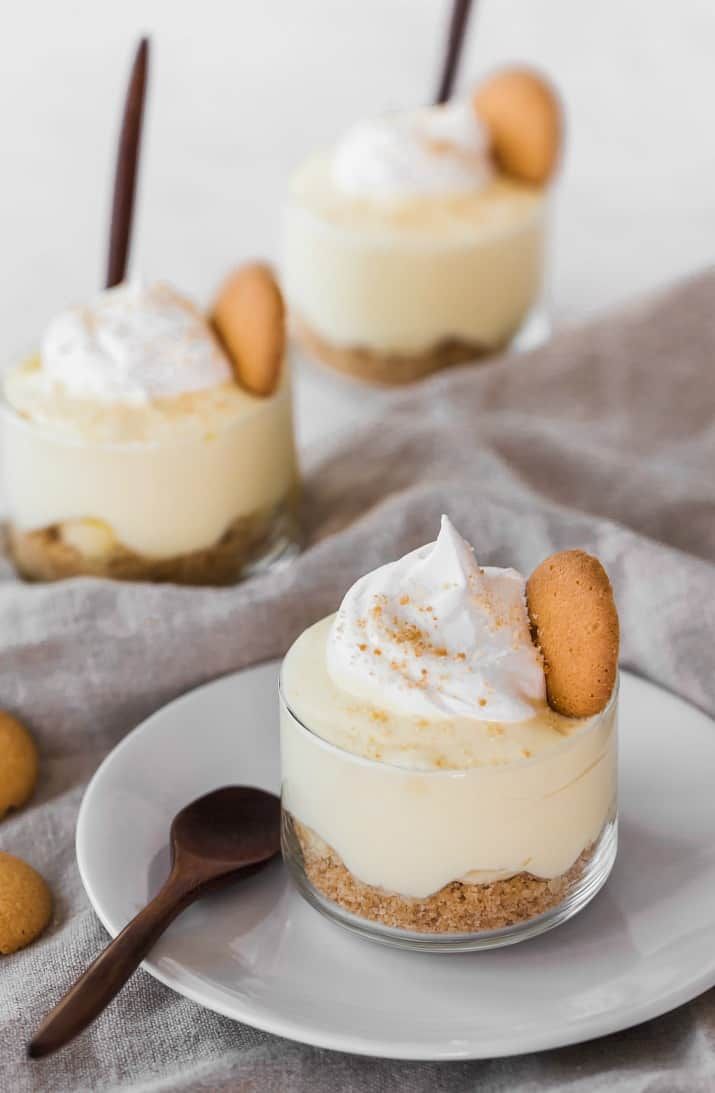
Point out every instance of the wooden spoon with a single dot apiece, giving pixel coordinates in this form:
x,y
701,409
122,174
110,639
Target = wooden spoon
x,y
219,838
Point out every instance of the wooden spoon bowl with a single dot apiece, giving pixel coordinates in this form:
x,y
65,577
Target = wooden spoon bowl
x,y
226,835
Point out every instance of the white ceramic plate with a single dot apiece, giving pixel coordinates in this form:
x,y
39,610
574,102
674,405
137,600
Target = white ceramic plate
x,y
259,954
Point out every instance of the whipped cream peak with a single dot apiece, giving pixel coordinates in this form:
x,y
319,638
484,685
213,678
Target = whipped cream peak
x,y
436,636
133,344
438,150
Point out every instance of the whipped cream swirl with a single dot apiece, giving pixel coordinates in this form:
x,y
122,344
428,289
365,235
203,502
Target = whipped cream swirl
x,y
132,344
438,150
436,636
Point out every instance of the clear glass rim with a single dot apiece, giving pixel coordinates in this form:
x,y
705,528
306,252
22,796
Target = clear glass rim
x,y
382,236
452,772
10,413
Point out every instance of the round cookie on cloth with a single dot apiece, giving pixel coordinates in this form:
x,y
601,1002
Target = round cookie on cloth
x,y
249,319
523,115
25,904
18,763
575,624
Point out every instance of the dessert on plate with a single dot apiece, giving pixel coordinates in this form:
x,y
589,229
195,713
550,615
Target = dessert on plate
x,y
147,440
418,241
448,748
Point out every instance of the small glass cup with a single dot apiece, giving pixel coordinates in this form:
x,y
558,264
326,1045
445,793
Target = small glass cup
x,y
390,292
356,833
196,507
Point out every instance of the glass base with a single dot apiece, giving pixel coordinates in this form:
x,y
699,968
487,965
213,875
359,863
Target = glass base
x,y
388,368
253,544
282,546
534,332
595,874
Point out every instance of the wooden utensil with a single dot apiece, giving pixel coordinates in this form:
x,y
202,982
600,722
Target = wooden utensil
x,y
217,839
453,48
125,175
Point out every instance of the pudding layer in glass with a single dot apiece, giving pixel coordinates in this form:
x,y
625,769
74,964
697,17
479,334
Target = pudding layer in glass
x,y
406,249
427,786
391,292
446,826
189,489
192,485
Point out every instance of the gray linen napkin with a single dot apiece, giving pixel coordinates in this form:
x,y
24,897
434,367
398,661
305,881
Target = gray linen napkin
x,y
604,439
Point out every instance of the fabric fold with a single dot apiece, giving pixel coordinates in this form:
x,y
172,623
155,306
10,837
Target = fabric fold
x,y
603,439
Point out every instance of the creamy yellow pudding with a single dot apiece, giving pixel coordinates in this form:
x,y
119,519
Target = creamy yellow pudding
x,y
405,249
427,785
130,450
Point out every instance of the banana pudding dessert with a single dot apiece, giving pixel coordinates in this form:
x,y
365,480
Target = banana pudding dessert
x,y
448,748
149,441
419,240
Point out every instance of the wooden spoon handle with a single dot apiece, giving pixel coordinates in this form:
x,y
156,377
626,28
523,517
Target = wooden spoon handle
x,y
106,976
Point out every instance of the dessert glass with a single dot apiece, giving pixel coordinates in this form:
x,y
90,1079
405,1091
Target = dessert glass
x,y
389,292
203,490
415,858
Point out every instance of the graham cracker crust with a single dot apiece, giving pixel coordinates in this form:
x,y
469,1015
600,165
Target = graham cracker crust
x,y
43,555
388,369
456,908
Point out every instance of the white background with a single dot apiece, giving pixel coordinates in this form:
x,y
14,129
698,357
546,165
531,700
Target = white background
x,y
242,89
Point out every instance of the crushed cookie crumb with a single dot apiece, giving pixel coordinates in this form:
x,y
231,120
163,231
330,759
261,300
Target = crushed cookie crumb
x,y
456,908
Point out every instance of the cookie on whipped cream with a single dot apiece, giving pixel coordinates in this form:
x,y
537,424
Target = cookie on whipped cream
x,y
523,115
249,318
575,624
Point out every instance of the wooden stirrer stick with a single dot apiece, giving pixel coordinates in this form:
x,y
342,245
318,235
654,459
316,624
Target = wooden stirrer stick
x,y
125,175
453,50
